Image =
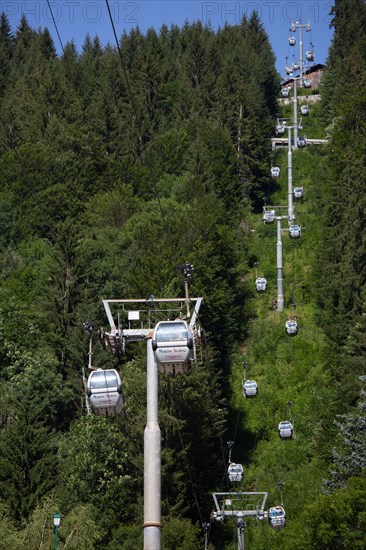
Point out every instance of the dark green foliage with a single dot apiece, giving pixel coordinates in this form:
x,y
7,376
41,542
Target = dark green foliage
x,y
351,460
332,522
108,184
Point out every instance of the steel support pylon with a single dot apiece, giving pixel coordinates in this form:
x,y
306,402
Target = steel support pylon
x,y
152,459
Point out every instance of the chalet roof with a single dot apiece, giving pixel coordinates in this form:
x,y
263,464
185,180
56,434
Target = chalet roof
x,y
309,71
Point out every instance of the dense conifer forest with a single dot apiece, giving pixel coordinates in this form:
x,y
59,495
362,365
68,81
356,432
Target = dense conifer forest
x,y
112,175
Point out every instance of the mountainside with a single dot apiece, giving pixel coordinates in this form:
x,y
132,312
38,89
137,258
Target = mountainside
x,y
115,173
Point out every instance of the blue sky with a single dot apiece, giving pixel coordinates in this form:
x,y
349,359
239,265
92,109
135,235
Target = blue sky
x,y
76,18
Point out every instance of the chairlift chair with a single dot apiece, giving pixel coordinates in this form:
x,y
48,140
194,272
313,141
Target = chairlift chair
x,y
298,192
173,344
261,284
235,472
304,109
291,327
285,429
104,391
294,231
277,517
250,388
275,171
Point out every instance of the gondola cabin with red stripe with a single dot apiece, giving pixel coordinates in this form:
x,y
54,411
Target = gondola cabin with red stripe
x,y
104,391
173,345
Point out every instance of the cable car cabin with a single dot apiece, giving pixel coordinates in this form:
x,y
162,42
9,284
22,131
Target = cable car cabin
x,y
250,388
275,171
304,109
289,69
310,55
285,429
173,345
291,327
294,231
284,92
280,129
277,517
235,472
104,391
301,142
307,83
296,66
269,216
261,284
298,192
292,40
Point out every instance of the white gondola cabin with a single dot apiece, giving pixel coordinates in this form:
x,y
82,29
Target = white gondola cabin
x,y
285,429
250,388
304,109
235,472
280,129
104,391
294,231
292,40
307,83
173,345
269,216
301,142
261,284
289,69
310,55
298,192
275,172
277,517
291,327
295,66
285,92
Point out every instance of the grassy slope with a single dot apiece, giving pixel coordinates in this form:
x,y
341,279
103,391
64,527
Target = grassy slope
x,y
286,368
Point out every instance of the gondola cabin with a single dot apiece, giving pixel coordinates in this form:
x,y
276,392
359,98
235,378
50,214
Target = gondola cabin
x,y
304,110
310,55
307,83
269,216
250,388
294,231
292,41
295,66
285,429
289,69
261,284
301,142
235,472
277,517
104,391
173,345
280,129
291,327
285,92
298,192
275,172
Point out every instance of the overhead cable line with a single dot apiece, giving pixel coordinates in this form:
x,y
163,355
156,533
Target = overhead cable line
x,y
54,22
138,120
137,117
